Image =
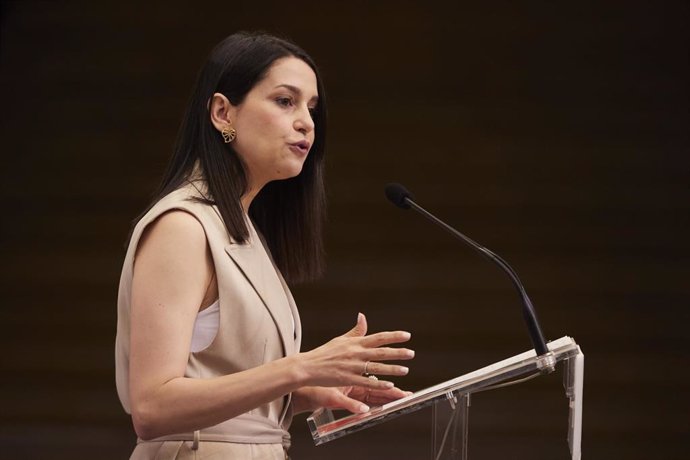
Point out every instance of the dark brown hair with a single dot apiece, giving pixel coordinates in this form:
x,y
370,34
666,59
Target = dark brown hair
x,y
289,213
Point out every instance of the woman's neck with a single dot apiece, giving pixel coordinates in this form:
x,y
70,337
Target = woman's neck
x,y
249,196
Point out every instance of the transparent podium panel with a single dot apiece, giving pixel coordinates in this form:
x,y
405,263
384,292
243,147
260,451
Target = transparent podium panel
x,y
449,427
451,401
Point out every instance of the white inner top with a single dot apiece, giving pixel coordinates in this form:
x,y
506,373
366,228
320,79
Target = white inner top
x,y
206,327
207,324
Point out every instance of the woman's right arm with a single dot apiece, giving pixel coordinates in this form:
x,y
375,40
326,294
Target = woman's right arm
x,y
172,272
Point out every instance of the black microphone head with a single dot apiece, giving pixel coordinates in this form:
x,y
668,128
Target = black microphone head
x,y
398,195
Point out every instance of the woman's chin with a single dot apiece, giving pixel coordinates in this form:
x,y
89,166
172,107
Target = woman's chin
x,y
289,172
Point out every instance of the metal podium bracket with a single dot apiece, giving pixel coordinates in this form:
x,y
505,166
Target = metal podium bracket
x,y
452,399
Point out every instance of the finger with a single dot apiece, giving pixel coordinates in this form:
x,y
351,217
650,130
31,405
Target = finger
x,y
386,369
389,354
347,403
346,390
390,394
379,397
384,338
360,329
373,384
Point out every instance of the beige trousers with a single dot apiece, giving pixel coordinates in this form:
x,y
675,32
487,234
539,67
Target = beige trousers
x,y
207,450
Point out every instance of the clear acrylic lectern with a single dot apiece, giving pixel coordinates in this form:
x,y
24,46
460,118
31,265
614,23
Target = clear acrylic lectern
x,y
451,402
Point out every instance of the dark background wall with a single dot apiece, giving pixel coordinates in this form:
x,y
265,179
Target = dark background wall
x,y
556,133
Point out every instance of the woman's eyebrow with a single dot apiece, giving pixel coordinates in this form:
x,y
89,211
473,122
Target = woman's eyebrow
x,y
297,91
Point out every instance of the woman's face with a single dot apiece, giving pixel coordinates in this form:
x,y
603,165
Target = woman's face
x,y
274,125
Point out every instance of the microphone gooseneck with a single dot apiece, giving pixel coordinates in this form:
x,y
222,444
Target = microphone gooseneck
x,y
403,199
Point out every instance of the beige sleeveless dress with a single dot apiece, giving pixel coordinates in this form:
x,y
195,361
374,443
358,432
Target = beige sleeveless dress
x,y
259,323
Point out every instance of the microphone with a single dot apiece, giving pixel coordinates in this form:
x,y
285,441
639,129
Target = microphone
x,y
403,199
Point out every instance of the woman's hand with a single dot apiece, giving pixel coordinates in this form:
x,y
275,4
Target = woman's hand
x,y
353,399
343,361
374,397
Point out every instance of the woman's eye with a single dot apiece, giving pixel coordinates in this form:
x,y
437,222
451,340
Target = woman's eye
x,y
284,101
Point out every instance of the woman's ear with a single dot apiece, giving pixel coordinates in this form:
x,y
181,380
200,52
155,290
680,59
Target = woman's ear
x,y
222,111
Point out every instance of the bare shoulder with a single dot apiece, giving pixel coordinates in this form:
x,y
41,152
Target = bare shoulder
x,y
175,230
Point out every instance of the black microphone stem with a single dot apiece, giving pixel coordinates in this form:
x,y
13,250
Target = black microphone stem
x,y
528,312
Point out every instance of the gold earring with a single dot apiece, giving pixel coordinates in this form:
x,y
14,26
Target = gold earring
x,y
229,134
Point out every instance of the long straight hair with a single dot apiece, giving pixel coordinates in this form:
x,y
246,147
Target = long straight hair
x,y
288,213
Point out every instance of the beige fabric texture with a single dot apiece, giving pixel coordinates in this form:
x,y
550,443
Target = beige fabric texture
x,y
183,450
255,322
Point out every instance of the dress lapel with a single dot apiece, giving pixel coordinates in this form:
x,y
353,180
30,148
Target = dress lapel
x,y
253,261
297,339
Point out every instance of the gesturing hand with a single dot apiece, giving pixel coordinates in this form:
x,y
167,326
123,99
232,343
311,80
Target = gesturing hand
x,y
344,360
373,397
354,399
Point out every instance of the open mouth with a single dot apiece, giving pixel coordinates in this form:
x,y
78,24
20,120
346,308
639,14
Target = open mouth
x,y
302,147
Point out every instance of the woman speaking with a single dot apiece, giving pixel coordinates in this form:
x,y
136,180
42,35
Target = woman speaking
x,y
208,357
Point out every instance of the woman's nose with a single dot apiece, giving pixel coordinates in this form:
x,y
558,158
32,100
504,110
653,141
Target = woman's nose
x,y
304,122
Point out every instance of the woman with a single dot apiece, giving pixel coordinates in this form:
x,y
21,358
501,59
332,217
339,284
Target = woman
x,y
207,349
